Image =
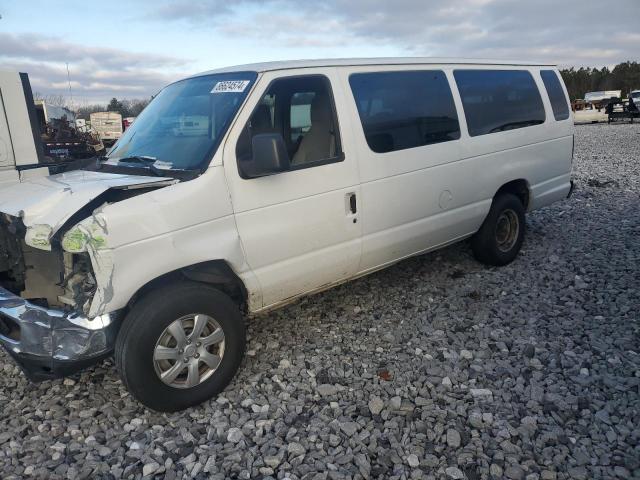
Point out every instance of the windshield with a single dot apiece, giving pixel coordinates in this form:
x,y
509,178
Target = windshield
x,y
183,125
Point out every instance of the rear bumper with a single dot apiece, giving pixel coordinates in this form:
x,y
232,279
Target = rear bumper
x,y
49,343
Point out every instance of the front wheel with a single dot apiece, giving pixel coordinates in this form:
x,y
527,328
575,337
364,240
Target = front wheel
x,y
501,235
179,346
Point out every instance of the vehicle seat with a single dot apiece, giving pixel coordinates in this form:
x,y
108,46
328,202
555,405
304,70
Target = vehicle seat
x,y
319,143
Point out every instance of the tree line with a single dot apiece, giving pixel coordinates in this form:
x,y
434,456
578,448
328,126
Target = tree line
x,y
624,76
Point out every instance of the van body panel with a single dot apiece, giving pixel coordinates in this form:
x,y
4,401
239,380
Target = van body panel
x,y
417,198
550,191
174,227
323,241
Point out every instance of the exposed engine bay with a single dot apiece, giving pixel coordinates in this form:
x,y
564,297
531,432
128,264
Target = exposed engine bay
x,y
47,278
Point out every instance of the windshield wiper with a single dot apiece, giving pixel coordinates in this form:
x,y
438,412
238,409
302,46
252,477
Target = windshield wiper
x,y
151,164
138,159
146,161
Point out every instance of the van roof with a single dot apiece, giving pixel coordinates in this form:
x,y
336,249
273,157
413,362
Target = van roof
x,y
346,62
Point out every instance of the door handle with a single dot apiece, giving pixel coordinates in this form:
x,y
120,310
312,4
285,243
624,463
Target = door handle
x,y
353,206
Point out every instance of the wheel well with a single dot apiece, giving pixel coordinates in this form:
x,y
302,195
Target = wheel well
x,y
216,273
519,188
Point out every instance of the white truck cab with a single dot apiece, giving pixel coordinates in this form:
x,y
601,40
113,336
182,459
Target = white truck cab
x,y
239,190
20,144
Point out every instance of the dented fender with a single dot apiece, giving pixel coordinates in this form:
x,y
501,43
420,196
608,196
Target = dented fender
x,y
164,231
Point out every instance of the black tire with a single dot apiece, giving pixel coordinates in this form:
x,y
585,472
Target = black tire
x,y
146,322
486,243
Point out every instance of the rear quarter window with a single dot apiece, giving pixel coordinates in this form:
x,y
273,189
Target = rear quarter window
x,y
401,110
499,100
556,94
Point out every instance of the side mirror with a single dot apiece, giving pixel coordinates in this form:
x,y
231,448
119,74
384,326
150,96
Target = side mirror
x,y
269,156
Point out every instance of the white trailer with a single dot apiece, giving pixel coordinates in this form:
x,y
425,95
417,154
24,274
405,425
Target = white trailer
x,y
108,126
602,96
20,145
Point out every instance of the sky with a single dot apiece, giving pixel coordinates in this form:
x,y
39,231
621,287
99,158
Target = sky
x,y
130,49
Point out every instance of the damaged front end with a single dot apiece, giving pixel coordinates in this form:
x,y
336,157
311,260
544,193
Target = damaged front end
x,y
45,298
56,269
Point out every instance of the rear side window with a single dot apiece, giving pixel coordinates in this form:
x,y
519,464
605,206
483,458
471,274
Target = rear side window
x,y
556,94
499,100
401,110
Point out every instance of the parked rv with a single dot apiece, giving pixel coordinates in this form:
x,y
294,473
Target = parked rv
x,y
239,190
108,126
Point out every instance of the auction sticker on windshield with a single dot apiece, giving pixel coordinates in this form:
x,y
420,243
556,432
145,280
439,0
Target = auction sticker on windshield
x,y
230,86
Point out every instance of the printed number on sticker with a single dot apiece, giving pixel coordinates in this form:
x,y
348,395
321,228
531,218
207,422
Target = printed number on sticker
x,y
230,86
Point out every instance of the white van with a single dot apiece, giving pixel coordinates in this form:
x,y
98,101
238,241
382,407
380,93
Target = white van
x,y
241,189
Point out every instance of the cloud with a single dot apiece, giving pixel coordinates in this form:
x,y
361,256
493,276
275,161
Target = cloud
x,y
97,73
571,32
195,11
567,32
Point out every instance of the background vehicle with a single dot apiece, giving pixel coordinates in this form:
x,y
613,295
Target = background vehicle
x,y
20,145
108,126
127,122
584,112
239,190
599,99
64,137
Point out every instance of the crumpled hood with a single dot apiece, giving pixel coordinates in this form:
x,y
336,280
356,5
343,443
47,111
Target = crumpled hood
x,y
53,200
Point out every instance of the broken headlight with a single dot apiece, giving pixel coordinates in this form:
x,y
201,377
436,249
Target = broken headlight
x,y
88,233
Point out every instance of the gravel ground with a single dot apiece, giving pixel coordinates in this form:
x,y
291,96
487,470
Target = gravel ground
x,y
435,368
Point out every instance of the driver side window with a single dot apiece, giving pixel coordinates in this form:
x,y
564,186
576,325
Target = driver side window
x,y
302,111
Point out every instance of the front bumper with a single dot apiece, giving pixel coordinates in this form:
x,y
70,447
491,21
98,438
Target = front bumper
x,y
49,343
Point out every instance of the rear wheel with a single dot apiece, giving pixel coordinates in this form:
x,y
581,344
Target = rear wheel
x,y
180,346
501,235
